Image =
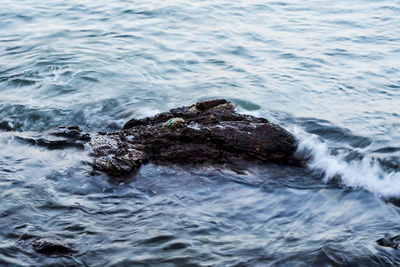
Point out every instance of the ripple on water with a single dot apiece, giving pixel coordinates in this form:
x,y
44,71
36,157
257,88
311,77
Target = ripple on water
x,y
329,68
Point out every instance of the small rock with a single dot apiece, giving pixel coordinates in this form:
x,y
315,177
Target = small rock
x,y
208,104
174,123
392,242
6,126
51,246
212,105
47,246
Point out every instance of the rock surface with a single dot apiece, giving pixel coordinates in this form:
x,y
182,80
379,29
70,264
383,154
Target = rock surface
x,y
48,246
392,242
209,132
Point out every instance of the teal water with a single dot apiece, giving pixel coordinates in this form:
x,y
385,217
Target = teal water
x,y
329,72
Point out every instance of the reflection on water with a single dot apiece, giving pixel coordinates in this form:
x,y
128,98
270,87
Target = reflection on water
x,y
327,71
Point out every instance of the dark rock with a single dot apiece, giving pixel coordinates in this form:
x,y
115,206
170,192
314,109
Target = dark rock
x,y
25,237
209,132
58,138
51,246
209,104
71,132
392,242
393,200
48,246
6,126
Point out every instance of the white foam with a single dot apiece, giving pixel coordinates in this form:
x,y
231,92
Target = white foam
x,y
365,174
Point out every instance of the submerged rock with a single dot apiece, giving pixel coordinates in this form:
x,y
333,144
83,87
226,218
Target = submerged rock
x,y
6,126
48,246
58,138
51,246
392,242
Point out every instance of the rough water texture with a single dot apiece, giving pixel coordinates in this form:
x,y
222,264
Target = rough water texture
x,y
327,71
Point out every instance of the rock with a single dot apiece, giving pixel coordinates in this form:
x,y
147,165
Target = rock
x,y
58,138
6,125
213,105
208,132
51,246
174,123
48,246
392,242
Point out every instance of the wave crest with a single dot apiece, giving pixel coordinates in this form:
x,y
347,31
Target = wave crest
x,y
365,172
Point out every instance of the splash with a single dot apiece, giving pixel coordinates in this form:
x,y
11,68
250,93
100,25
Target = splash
x,y
366,173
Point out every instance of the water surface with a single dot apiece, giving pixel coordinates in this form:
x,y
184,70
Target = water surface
x,y
327,71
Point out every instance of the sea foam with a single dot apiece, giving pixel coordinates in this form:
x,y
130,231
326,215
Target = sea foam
x,y
365,173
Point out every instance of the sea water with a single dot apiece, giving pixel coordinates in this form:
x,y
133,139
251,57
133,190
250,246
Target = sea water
x,y
327,71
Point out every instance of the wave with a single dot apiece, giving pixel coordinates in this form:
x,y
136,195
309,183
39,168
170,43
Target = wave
x,y
364,172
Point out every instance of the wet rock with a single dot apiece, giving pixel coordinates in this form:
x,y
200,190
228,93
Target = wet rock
x,y
6,125
212,105
209,132
208,104
174,123
58,138
48,246
71,132
51,246
392,242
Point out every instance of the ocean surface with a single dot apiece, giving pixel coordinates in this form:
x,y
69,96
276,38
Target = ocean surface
x,y
327,71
